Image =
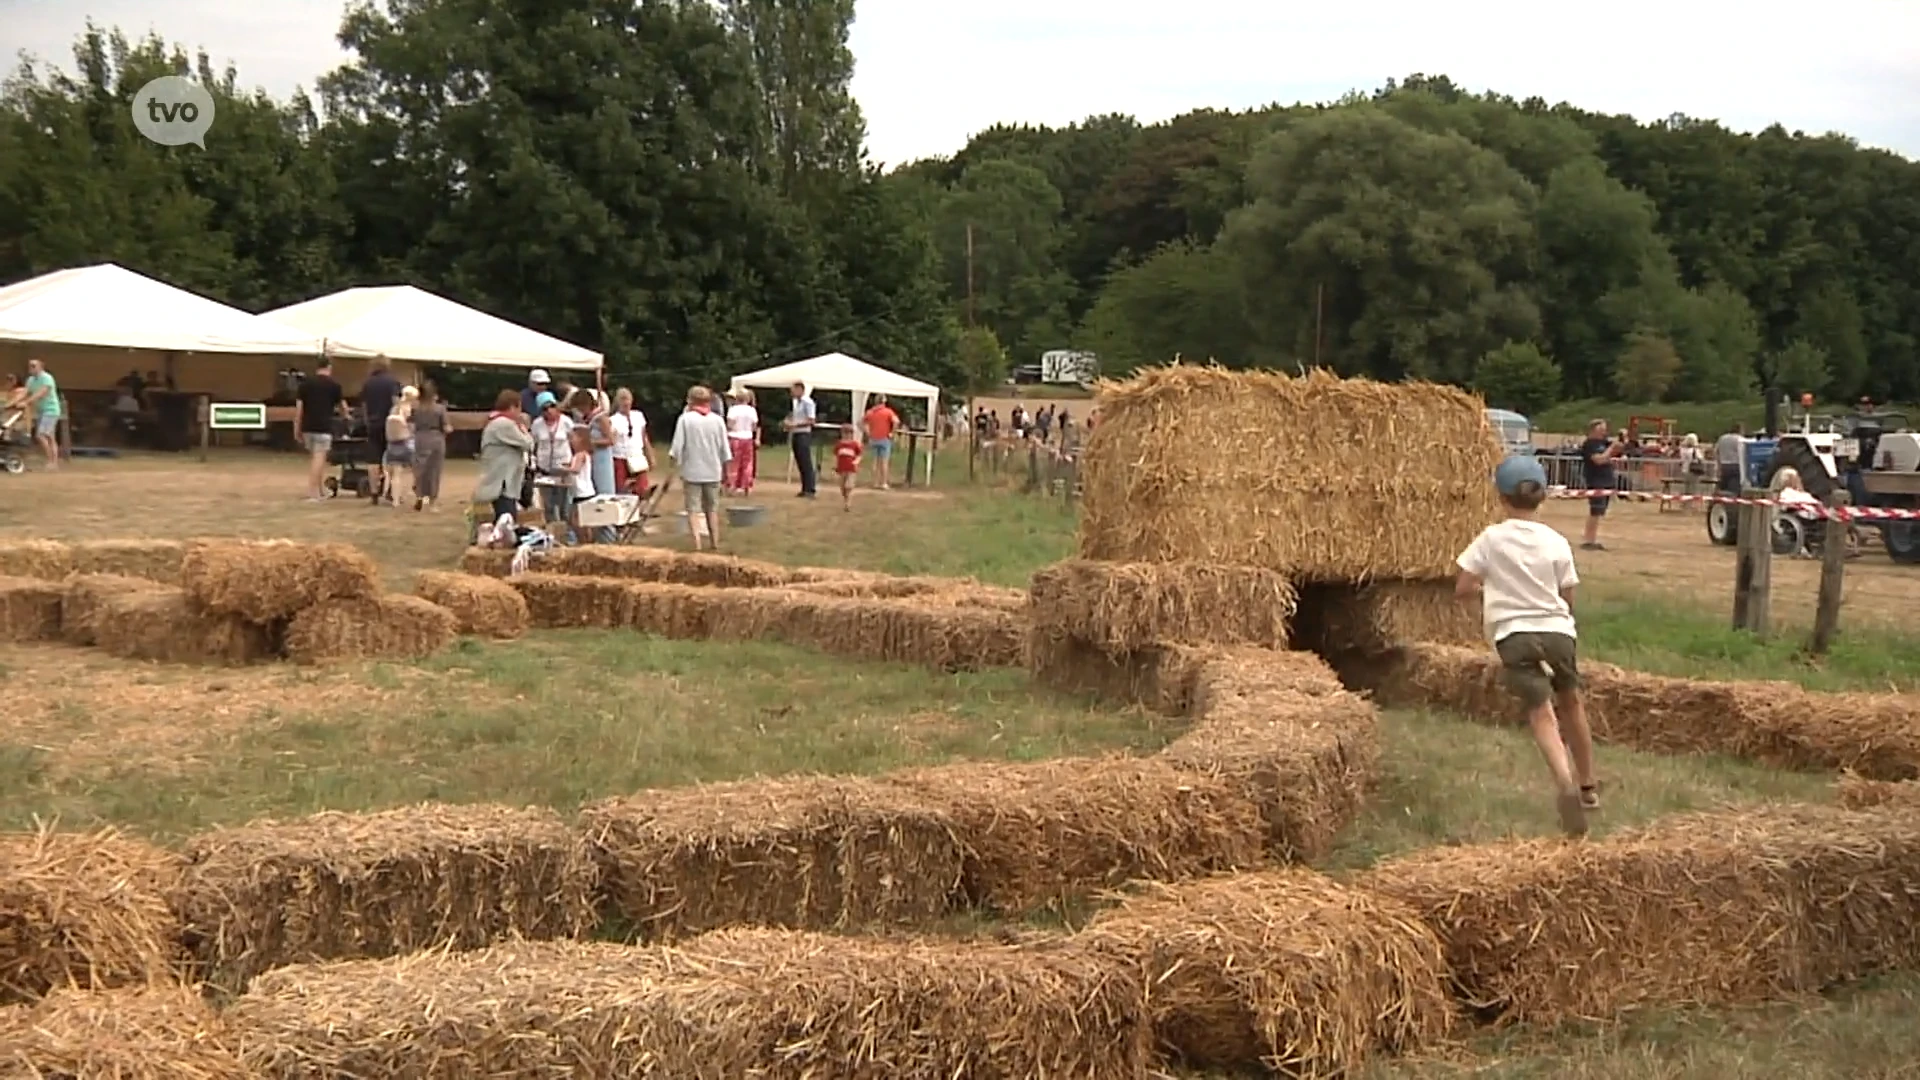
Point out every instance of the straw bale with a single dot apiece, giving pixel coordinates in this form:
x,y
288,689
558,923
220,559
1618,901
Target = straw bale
x,y
269,580
338,885
873,586
906,631
1284,969
558,601
665,564
386,627
1728,907
803,852
1321,478
775,1005
1161,679
152,558
481,606
1859,793
30,609
1380,616
487,562
1774,723
49,560
84,909
1121,607
1037,834
1279,726
156,1033
161,624
81,603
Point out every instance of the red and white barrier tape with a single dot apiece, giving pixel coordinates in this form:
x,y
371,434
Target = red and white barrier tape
x,y
1811,509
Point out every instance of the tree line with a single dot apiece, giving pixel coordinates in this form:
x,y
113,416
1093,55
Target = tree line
x,y
681,185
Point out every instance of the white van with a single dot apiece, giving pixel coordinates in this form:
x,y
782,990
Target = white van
x,y
1515,431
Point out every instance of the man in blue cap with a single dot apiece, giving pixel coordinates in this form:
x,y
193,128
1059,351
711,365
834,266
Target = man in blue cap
x,y
1522,570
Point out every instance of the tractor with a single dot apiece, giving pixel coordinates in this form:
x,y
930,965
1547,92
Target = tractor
x,y
1871,455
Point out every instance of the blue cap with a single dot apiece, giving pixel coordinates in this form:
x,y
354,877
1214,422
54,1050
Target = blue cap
x,y
545,399
1517,470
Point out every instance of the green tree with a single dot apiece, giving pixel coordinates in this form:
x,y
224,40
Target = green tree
x,y
1717,336
1647,368
1518,376
1184,300
983,362
1830,319
1424,244
1012,213
803,74
1801,367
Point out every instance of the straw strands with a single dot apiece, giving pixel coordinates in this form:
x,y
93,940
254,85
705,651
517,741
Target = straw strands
x,y
1726,907
30,609
1280,727
1120,607
1775,723
481,606
804,852
1160,679
1041,833
387,627
265,581
906,631
349,885
85,595
161,624
768,1004
84,909
144,557
1380,616
1859,793
1283,969
157,1033
559,601
1264,469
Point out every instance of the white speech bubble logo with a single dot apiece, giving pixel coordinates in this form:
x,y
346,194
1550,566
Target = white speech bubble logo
x,y
173,110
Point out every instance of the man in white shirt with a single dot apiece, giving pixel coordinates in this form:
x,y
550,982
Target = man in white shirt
x,y
1726,457
1522,571
700,449
799,426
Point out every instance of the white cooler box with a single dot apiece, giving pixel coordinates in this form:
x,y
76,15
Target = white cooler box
x,y
608,511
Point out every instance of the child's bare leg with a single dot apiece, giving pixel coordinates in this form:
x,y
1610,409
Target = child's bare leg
x,y
1546,735
1572,712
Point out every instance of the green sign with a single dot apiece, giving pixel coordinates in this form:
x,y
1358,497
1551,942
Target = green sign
x,y
238,417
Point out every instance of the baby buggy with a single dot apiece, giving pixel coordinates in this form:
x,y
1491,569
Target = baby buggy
x,y
16,440
348,452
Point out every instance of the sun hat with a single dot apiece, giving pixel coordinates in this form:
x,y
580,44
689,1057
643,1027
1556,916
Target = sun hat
x,y
539,377
545,399
1518,470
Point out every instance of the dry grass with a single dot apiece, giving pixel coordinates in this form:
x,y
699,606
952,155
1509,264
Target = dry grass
x,y
29,609
1123,607
266,581
1720,908
1044,834
86,910
482,606
1294,481
768,1004
804,852
1777,723
157,1033
1284,969
337,885
387,627
163,624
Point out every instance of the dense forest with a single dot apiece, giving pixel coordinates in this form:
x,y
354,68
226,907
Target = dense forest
x,y
682,185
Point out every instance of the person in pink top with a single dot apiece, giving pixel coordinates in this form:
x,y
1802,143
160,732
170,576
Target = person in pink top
x,y
743,436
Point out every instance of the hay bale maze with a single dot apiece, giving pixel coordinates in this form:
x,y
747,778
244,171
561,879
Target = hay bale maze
x,y
339,885
85,910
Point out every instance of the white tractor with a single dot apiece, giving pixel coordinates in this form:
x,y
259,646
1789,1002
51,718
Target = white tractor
x,y
1872,456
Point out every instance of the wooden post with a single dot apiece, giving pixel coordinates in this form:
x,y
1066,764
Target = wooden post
x,y
1753,567
973,440
1033,468
206,424
1833,570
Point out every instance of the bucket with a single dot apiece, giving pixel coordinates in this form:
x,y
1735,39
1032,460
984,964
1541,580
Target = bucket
x,y
741,516
676,523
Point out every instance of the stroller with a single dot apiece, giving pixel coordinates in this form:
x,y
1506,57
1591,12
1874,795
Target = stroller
x,y
349,454
15,441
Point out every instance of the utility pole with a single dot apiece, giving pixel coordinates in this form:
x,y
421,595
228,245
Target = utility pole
x,y
1319,319
969,275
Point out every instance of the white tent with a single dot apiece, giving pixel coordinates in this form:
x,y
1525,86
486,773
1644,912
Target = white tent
x,y
838,371
110,306
405,323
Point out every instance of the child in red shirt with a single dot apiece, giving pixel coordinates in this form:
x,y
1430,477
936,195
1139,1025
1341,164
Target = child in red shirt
x,y
846,462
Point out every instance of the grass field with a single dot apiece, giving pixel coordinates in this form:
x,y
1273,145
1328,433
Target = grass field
x,y
565,717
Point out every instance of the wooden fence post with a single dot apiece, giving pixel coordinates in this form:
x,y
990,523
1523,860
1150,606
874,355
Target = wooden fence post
x,y
1753,567
1833,571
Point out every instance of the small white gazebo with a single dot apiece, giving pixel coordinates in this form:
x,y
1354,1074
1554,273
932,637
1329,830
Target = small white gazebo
x,y
838,371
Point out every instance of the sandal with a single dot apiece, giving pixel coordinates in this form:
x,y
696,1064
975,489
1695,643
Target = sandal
x,y
1589,796
1573,817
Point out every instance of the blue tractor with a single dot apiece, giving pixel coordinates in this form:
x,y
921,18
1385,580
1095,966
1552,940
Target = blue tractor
x,y
1756,471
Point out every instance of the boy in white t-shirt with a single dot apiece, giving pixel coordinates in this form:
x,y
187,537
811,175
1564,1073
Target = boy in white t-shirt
x,y
1522,570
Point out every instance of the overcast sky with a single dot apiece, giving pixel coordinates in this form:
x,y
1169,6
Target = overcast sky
x,y
931,72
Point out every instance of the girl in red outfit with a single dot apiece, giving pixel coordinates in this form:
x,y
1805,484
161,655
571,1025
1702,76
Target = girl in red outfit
x,y
846,462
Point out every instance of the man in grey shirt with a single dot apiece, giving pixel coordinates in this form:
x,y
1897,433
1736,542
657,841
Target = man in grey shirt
x,y
1726,457
700,449
799,425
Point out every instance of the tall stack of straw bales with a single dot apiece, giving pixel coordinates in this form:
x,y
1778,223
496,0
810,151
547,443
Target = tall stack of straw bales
x,y
1357,494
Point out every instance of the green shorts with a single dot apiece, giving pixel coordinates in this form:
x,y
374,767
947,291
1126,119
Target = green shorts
x,y
1539,665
